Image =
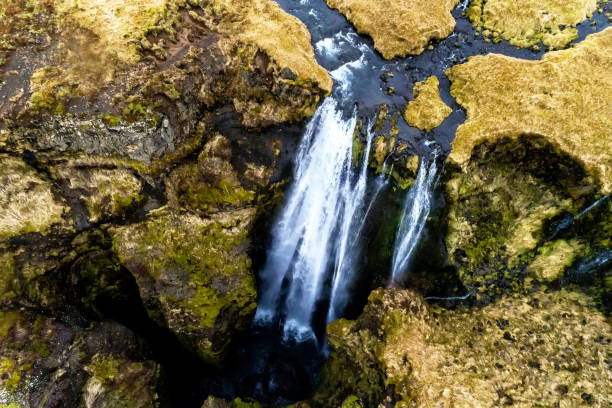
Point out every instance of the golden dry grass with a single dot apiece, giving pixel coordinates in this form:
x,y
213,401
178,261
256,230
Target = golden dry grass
x,y
399,27
565,98
427,110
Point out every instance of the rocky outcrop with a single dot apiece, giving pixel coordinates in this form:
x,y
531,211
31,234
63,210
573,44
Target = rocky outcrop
x,y
194,276
427,110
508,207
527,197
562,98
134,163
543,349
525,23
135,78
48,363
399,28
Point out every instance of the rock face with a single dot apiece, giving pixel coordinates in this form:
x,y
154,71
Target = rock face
x,y
528,194
525,23
134,162
47,363
544,349
427,110
562,98
399,28
135,78
194,276
509,206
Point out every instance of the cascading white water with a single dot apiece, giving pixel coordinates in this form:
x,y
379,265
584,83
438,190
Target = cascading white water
x,y
354,221
316,233
417,206
314,239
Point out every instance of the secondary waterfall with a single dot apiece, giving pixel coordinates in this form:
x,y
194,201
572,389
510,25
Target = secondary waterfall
x,y
417,206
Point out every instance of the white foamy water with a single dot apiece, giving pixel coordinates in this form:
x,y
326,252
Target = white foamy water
x,y
353,221
313,241
417,206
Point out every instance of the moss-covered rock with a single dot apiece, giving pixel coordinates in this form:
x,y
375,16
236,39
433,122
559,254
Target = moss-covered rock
x,y
28,202
136,78
119,382
48,363
545,349
105,192
518,180
563,98
211,184
505,216
213,402
34,229
194,275
399,27
525,23
427,110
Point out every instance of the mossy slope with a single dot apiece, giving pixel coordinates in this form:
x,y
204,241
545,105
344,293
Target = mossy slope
x,y
546,349
563,98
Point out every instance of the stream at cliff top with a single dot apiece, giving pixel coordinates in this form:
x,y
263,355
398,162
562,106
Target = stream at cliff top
x,y
319,266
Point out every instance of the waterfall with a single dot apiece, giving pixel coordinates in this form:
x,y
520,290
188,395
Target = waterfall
x,y
417,206
314,238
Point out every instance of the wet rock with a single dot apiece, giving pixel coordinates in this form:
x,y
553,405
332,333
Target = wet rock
x,y
427,110
403,352
399,28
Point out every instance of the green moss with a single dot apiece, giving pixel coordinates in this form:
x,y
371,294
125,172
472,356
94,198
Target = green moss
x,y
381,118
8,279
499,207
211,184
240,403
121,383
553,257
357,150
104,368
352,401
111,120
206,276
